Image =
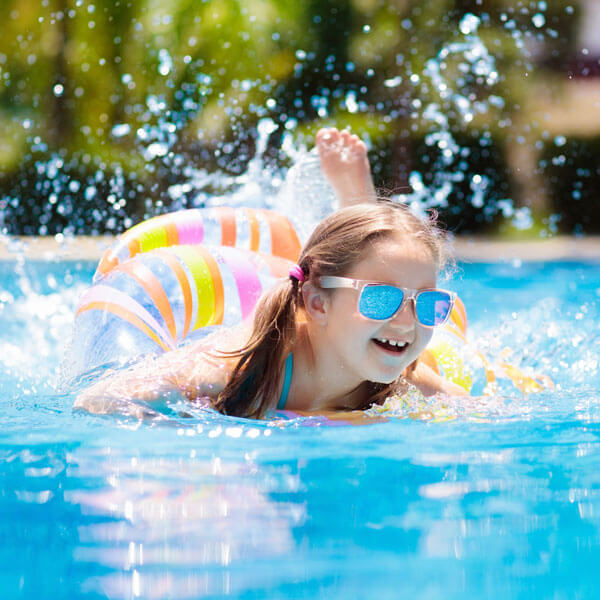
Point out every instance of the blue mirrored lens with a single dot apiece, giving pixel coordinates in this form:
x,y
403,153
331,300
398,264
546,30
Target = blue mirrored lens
x,y
433,307
380,301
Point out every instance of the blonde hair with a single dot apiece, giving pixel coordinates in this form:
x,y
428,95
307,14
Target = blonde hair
x,y
335,246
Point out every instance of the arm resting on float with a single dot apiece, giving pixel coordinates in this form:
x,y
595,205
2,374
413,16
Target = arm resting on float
x,y
117,392
184,373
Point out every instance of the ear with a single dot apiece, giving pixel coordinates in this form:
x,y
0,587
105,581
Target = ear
x,y
316,302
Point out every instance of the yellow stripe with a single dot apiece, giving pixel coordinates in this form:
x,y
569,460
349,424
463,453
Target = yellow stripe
x,y
217,280
203,281
153,237
150,234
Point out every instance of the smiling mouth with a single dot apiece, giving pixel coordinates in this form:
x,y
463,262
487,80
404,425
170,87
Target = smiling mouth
x,y
390,345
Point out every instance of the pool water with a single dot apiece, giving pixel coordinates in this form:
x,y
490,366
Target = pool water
x,y
500,499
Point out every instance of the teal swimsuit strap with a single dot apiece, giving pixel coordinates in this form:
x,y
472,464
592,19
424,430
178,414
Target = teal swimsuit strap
x,y
287,381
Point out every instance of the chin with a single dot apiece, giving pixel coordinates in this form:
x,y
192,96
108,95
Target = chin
x,y
391,374
386,378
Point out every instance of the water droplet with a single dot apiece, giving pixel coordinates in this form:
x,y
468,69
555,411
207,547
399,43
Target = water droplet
x,y
351,104
90,192
560,140
393,82
469,24
539,20
522,218
155,150
165,63
58,90
120,130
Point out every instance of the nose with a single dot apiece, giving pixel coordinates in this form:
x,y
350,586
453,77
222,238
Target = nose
x,y
405,317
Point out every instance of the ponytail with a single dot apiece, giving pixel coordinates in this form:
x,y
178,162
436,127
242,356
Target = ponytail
x,y
252,388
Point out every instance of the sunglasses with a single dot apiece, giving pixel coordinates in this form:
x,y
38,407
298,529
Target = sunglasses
x,y
381,301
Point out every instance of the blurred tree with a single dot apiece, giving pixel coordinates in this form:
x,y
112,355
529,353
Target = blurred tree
x,y
104,104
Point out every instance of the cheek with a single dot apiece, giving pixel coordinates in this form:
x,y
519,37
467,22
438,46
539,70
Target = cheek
x,y
425,336
342,317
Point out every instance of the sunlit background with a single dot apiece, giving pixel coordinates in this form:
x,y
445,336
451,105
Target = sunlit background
x,y
113,111
487,111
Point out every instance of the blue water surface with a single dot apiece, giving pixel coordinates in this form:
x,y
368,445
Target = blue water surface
x,y
500,499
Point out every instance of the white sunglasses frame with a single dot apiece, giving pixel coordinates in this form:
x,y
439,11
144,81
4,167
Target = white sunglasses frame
x,y
333,281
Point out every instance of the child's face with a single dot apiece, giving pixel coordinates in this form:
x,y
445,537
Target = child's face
x,y
355,339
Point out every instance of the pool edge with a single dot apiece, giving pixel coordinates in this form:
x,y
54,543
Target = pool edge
x,y
465,249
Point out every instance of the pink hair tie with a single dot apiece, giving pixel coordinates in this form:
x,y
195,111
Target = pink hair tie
x,y
296,272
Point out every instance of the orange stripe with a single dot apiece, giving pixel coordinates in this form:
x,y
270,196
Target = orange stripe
x,y
215,273
459,334
126,315
172,233
489,373
254,230
146,278
284,239
228,227
459,315
108,262
184,283
134,246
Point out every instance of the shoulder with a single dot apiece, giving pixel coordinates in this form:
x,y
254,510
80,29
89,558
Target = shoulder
x,y
202,369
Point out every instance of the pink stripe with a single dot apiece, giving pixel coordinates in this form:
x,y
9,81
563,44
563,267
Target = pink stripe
x,y
190,226
246,278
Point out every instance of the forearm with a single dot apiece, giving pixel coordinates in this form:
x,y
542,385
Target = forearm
x,y
125,391
429,383
187,373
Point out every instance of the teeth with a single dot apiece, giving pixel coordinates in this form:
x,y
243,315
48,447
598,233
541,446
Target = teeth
x,y
392,342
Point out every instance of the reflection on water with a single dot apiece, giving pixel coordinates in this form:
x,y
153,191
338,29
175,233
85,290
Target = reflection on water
x,y
499,508
170,516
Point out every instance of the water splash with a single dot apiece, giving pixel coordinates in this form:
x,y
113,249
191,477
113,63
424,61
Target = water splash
x,y
454,94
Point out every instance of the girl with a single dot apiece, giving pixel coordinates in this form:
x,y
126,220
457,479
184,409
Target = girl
x,y
344,331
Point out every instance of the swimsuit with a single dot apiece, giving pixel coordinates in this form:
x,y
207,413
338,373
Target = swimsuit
x,y
287,381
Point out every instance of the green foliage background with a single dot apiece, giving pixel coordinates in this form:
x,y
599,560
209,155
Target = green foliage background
x,y
205,73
